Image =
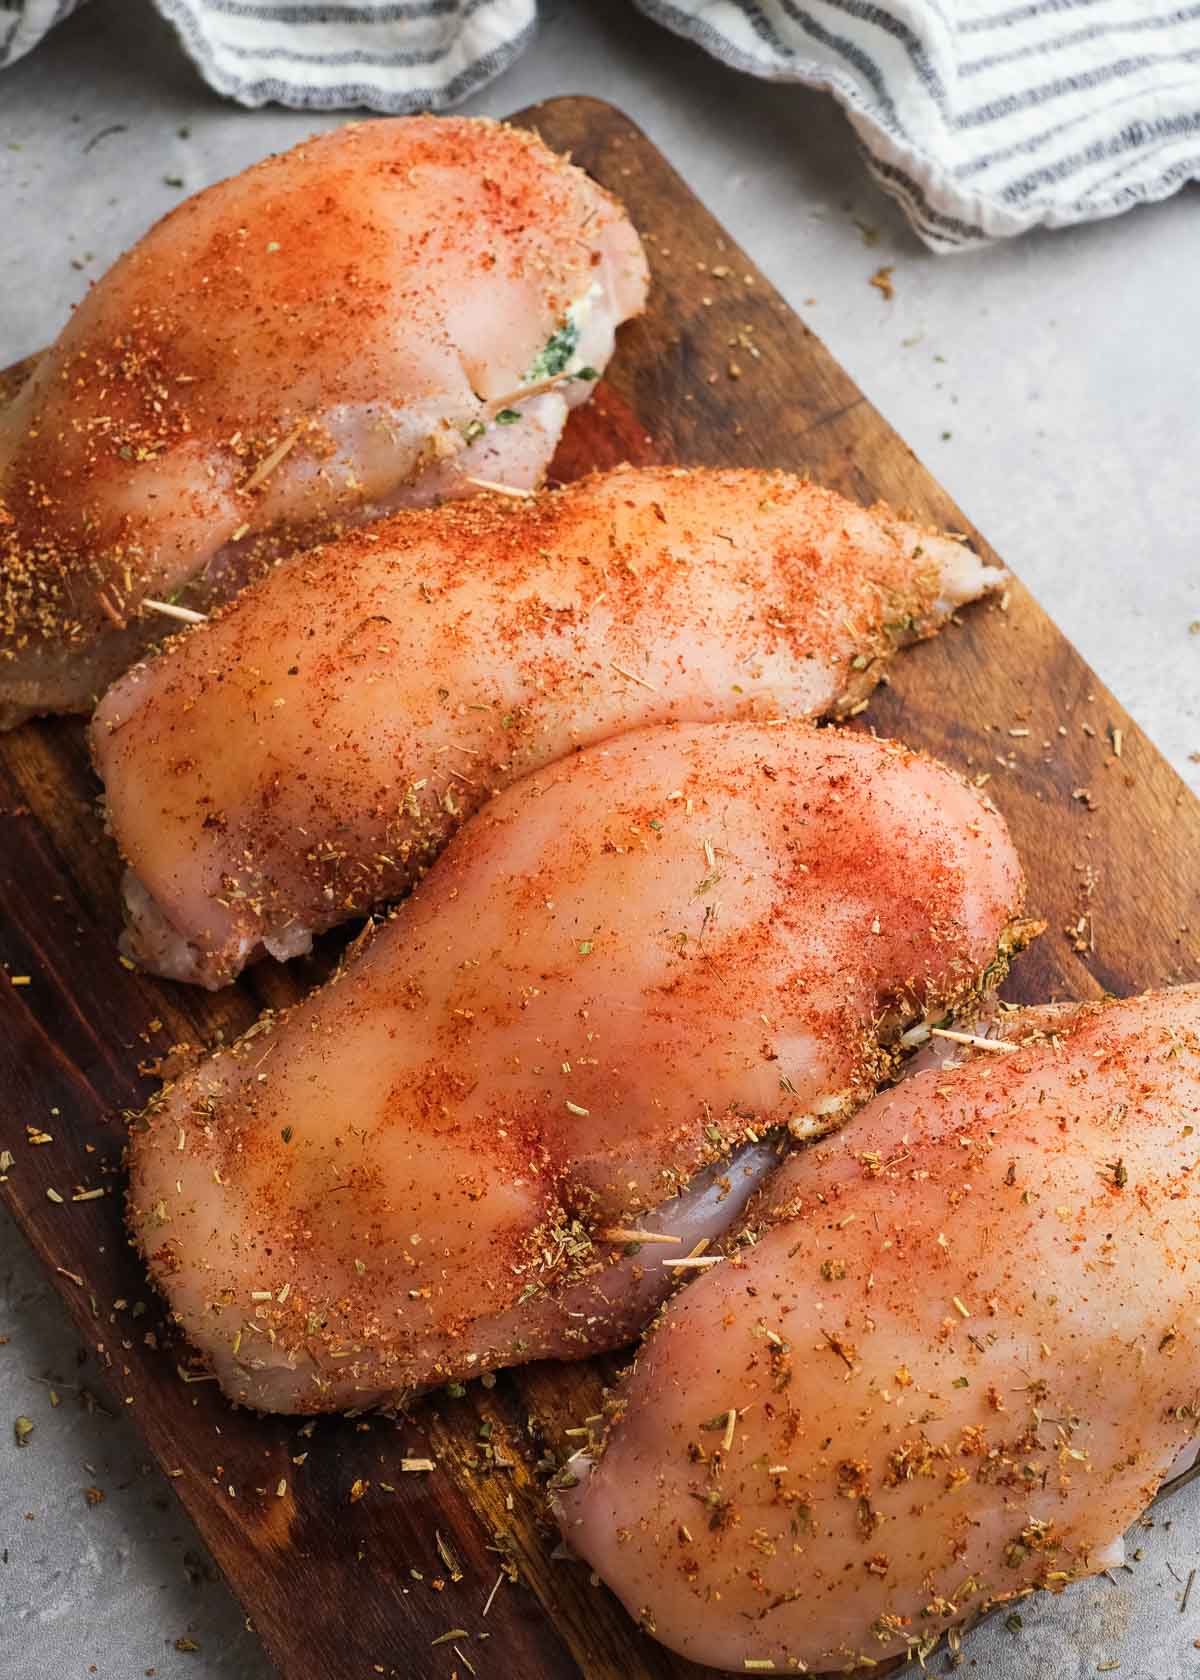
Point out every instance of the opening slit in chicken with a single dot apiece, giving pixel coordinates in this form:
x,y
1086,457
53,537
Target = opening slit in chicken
x,y
652,962
377,318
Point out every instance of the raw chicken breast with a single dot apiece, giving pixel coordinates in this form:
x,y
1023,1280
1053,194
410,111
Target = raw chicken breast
x,y
374,318
954,1367
622,972
302,758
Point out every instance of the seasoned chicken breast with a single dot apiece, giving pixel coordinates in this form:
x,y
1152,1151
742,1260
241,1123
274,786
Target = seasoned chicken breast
x,y
625,973
376,318
954,1366
304,756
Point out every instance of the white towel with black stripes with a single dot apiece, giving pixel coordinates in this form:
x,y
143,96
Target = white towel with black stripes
x,y
983,118
986,117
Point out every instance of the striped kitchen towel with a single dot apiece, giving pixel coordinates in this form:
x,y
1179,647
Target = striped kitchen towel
x,y
983,118
986,117
327,55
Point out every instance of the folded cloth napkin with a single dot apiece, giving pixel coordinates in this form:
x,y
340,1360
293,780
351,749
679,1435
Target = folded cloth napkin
x,y
981,117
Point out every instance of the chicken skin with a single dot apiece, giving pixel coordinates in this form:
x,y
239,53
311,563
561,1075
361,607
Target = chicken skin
x,y
623,973
303,757
378,317
954,1367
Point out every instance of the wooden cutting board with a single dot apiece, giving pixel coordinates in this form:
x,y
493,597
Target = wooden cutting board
x,y
346,1588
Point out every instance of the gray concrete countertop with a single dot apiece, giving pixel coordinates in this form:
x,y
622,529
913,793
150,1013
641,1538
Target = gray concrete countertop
x,y
1051,384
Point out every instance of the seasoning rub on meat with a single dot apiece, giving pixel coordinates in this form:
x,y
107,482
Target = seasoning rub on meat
x,y
623,973
954,1366
303,757
381,316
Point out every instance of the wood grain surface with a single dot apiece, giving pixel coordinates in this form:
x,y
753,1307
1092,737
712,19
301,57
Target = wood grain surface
x,y
345,1588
